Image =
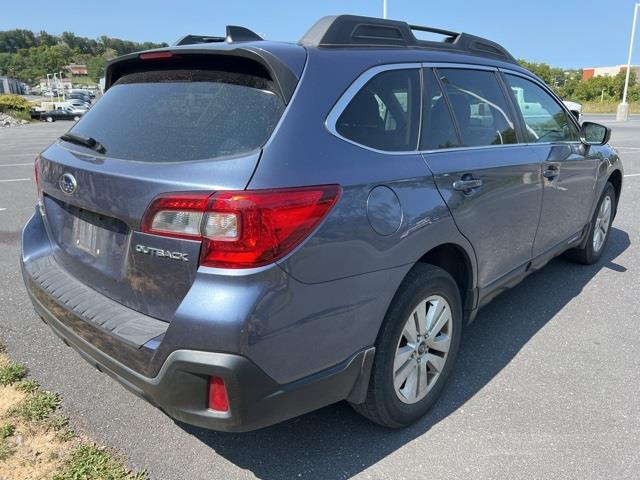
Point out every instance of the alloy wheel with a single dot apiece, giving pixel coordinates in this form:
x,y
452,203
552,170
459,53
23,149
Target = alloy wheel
x,y
603,221
422,349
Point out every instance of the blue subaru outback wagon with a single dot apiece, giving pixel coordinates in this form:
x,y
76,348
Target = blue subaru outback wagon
x,y
241,231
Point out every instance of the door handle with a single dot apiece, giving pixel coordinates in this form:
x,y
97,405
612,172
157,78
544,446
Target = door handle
x,y
551,171
467,184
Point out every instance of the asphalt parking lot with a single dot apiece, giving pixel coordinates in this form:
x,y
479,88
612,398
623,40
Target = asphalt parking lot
x,y
547,384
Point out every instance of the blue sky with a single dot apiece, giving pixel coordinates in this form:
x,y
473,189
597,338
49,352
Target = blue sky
x,y
568,33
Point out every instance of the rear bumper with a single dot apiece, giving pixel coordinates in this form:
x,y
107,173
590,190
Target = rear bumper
x,y
255,399
168,364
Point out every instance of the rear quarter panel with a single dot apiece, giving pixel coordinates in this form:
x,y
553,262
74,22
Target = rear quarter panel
x,y
344,276
303,152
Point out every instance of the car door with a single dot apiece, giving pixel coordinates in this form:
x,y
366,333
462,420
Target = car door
x,y
491,183
569,168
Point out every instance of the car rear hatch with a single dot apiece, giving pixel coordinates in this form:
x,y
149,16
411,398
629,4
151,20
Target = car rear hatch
x,y
181,120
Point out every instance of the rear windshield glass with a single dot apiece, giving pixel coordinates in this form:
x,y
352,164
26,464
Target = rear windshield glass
x,y
183,115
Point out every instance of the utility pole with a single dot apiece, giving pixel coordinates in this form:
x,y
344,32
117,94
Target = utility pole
x,y
55,85
384,8
64,99
623,108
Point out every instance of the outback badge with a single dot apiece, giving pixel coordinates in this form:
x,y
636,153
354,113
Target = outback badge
x,y
159,252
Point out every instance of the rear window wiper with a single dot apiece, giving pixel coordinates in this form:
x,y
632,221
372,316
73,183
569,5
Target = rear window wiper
x,y
88,142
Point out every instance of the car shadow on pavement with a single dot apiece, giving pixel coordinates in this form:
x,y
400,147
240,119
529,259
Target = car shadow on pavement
x,y
335,442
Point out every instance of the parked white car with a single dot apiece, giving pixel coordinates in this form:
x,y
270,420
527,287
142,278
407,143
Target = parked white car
x,y
575,107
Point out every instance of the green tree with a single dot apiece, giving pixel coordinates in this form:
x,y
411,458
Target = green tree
x,y
13,40
29,57
552,76
47,39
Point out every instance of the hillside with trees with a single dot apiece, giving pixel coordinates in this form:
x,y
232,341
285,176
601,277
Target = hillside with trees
x,y
569,85
29,56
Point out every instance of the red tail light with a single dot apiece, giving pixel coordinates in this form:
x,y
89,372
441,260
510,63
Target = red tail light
x,y
218,398
242,229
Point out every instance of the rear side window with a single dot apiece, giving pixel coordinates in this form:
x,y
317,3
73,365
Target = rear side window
x,y
385,113
438,130
545,120
183,115
479,106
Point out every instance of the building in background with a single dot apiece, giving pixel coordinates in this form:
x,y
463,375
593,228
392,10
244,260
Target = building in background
x,y
12,85
77,69
589,72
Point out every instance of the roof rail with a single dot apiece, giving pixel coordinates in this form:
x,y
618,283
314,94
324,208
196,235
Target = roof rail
x,y
353,30
233,34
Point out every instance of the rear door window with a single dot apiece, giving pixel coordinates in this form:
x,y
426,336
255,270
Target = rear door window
x,y
479,106
183,115
385,113
438,130
544,119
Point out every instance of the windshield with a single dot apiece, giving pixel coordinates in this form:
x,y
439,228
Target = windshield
x,y
183,115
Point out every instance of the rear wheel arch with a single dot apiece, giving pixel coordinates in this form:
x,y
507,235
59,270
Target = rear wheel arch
x,y
615,178
455,260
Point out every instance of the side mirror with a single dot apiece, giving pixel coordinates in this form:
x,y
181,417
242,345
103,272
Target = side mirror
x,y
594,134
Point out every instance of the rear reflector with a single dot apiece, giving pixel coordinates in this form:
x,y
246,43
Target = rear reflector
x,y
155,55
242,229
218,398
36,176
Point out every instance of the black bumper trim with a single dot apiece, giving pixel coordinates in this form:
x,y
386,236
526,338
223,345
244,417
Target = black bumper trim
x,y
126,324
256,400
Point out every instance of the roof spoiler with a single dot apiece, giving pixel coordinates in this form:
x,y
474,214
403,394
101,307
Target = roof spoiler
x,y
234,34
284,78
353,30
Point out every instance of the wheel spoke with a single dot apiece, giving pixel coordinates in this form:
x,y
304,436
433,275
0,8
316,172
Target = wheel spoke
x,y
410,390
410,332
422,378
436,309
420,317
435,361
440,322
596,239
403,373
441,343
607,208
402,356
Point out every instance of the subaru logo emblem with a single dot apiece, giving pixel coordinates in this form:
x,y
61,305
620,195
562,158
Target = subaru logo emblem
x,y
68,184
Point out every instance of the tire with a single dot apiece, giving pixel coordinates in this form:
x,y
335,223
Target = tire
x,y
49,119
390,401
593,248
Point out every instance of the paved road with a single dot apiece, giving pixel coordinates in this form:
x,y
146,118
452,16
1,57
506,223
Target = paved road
x,y
547,384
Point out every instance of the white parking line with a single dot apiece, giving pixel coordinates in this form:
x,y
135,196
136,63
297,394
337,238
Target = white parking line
x,y
633,175
16,164
627,148
2,209
16,180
